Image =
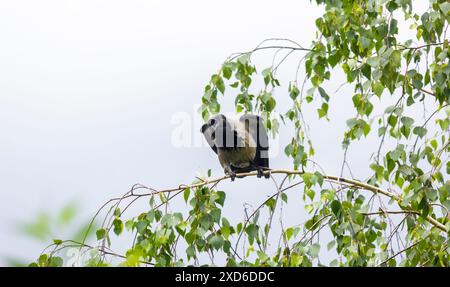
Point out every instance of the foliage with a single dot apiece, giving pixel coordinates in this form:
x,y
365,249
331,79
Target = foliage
x,y
45,226
408,180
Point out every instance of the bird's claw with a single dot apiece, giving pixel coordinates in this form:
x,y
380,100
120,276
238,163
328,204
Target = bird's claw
x,y
260,173
263,172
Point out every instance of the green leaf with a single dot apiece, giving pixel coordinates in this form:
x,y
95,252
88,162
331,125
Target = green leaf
x,y
407,121
129,224
252,232
118,226
323,111
377,88
366,71
239,227
373,61
221,197
270,104
289,232
445,7
216,214
294,92
289,149
312,223
68,213
271,204
244,59
284,197
216,242
186,193
262,256
319,178
218,82
227,72
55,261
351,122
141,226
324,94
190,251
392,6
334,58
420,131
314,250
43,260
392,120
336,207
100,233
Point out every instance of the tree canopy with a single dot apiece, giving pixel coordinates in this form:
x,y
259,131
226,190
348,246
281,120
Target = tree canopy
x,y
397,216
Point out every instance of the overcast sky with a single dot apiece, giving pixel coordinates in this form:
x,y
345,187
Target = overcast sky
x,y
89,91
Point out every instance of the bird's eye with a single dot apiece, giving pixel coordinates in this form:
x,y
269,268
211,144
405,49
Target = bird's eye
x,y
212,122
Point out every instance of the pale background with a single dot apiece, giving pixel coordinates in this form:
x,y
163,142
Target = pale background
x,y
89,89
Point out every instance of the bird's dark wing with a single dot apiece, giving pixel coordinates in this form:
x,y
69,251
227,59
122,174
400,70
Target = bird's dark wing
x,y
256,128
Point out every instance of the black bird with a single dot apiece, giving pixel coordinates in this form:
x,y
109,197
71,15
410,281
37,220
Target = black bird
x,y
241,145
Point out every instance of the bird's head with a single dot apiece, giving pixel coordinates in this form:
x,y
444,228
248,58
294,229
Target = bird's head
x,y
213,123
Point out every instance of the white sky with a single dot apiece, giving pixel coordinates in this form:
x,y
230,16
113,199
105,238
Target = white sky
x,y
88,90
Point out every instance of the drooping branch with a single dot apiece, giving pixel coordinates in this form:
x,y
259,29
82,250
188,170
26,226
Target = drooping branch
x,y
134,195
331,178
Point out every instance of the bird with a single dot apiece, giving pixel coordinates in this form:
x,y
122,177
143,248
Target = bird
x,y
242,145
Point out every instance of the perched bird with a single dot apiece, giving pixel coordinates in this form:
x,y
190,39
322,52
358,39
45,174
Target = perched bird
x,y
241,145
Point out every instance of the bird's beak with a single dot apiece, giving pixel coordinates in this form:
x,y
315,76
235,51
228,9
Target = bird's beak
x,y
204,128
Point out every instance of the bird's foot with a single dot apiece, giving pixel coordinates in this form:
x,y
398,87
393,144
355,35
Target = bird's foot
x,y
232,175
228,171
266,172
260,173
